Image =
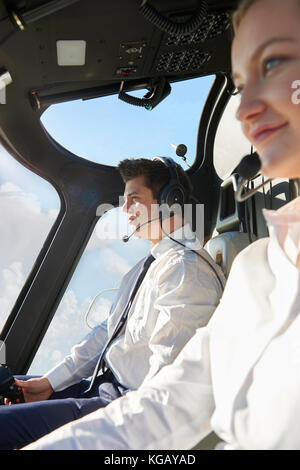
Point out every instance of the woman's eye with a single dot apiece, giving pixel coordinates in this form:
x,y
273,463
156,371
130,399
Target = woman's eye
x,y
269,64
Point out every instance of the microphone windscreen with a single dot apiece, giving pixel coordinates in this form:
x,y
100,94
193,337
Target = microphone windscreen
x,y
249,166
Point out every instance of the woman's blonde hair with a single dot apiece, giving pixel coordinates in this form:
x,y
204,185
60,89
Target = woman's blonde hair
x,y
240,12
238,15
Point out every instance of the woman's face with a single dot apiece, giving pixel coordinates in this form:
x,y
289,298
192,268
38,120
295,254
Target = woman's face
x,y
266,70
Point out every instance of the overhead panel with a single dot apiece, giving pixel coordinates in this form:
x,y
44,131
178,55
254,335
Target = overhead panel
x,y
117,43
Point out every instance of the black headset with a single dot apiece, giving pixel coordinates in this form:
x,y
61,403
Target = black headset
x,y
173,192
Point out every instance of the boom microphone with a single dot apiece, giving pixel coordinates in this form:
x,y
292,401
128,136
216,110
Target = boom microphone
x,y
126,238
248,168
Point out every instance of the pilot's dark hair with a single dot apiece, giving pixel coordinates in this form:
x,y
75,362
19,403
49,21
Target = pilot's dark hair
x,y
155,172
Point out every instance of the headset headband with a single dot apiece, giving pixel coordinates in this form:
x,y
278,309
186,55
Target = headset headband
x,y
173,193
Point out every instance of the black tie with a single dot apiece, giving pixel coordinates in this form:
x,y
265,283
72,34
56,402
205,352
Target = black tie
x,y
122,320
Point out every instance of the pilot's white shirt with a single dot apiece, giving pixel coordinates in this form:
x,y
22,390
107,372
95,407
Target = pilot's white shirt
x,y
240,376
178,295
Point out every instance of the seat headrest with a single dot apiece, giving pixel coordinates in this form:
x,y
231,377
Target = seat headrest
x,y
224,248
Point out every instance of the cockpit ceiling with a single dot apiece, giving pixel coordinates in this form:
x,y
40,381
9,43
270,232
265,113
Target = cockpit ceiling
x,y
118,44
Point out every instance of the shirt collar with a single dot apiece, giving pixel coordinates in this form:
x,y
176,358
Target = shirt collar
x,y
284,226
183,235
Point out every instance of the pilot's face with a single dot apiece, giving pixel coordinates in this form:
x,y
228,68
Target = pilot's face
x,y
141,207
266,66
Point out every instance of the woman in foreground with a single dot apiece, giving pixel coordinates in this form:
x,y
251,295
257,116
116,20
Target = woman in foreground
x,y
241,375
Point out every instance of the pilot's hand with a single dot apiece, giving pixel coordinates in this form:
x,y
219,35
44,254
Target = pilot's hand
x,y
37,389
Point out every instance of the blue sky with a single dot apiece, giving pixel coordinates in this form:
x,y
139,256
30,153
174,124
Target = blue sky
x,y
104,130
117,130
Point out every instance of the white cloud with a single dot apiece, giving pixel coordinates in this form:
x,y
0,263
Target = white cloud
x,y
116,263
9,187
11,281
67,329
99,308
24,226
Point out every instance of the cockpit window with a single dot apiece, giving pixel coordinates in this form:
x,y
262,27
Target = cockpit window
x,y
92,289
28,208
107,130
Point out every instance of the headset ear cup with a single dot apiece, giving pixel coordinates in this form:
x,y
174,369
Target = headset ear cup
x,y
175,196
172,196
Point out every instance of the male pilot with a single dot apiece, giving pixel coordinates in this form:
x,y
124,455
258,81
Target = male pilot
x,y
162,301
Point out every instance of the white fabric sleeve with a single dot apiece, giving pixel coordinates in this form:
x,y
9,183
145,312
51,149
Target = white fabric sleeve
x,y
81,362
170,411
